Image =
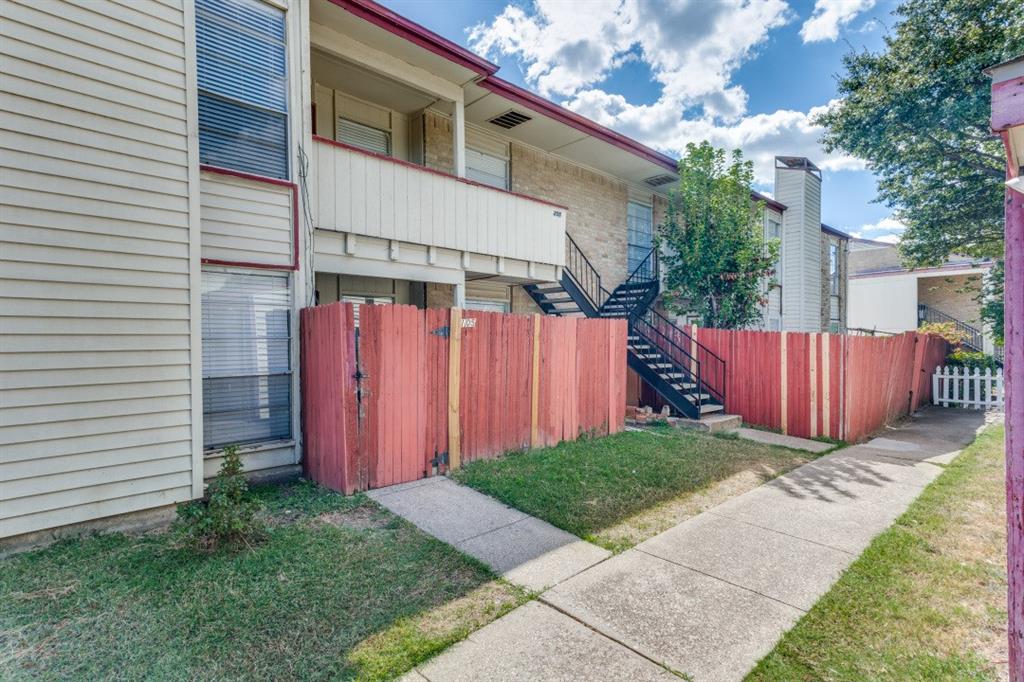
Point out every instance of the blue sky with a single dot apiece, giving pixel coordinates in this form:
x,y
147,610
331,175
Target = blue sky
x,y
746,73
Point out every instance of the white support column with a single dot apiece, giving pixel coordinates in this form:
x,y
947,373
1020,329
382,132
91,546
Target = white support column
x,y
459,137
460,296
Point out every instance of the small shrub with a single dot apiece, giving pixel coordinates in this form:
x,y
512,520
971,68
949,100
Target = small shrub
x,y
947,330
228,516
972,360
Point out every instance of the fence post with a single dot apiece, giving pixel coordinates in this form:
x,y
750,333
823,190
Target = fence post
x,y
535,386
812,376
935,386
454,381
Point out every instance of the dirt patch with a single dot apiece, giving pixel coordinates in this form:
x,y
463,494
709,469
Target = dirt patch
x,y
660,518
361,518
51,593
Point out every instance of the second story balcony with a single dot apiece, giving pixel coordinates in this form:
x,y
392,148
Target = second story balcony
x,y
395,167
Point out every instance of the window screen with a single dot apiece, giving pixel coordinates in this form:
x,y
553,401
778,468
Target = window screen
x,y
246,358
490,306
640,233
486,168
358,301
242,84
364,137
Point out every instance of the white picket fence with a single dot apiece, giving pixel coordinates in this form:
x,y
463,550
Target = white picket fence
x,y
959,386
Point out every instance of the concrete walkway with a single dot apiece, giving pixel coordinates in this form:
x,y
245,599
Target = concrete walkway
x,y
711,596
524,550
792,442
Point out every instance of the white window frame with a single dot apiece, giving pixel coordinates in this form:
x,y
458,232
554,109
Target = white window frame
x,y
277,441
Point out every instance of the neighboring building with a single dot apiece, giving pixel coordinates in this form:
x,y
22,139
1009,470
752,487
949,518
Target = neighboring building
x,y
886,296
810,284
181,177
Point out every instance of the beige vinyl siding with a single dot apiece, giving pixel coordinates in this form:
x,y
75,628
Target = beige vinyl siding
x,y
246,221
96,261
800,191
366,195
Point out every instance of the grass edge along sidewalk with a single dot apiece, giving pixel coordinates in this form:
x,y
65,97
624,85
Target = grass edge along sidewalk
x,y
926,600
342,589
616,491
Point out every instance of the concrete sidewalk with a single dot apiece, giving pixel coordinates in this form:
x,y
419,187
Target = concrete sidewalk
x,y
711,596
522,549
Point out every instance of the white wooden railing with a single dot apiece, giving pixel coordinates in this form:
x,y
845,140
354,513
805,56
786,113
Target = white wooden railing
x,y
960,386
367,194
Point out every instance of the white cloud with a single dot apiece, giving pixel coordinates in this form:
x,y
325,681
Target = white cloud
x,y
692,48
831,15
888,230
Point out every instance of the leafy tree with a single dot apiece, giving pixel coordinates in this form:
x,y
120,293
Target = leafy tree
x,y
918,113
712,244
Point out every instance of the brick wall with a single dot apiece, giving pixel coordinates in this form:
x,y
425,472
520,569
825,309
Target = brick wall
x,y
596,203
947,295
439,295
438,151
874,259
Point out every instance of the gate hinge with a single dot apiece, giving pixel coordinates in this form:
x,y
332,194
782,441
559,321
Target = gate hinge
x,y
444,331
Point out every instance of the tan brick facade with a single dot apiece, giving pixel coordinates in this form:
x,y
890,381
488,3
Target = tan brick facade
x,y
953,296
438,149
439,295
596,203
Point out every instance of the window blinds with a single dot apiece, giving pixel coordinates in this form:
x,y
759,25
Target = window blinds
x,y
242,83
246,358
486,169
364,137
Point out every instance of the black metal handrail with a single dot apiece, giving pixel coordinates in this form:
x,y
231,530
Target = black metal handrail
x,y
583,273
975,339
647,270
714,366
680,359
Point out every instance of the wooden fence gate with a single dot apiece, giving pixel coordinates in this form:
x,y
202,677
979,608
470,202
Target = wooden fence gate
x,y
426,390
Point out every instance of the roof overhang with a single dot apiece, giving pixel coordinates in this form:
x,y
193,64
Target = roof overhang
x,y
1008,116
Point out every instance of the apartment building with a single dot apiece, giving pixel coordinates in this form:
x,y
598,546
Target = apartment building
x,y
180,177
888,297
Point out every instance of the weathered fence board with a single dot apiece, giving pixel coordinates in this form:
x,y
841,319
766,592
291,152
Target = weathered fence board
x,y
838,386
423,373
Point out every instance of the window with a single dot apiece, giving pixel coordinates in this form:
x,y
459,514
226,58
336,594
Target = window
x,y
835,323
487,305
365,137
640,233
246,358
357,301
486,168
242,78
833,266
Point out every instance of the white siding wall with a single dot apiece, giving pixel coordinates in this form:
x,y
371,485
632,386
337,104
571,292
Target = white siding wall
x,y
366,195
245,220
887,304
800,191
97,264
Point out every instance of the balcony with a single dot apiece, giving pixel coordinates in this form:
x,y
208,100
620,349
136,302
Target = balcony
x,y
366,194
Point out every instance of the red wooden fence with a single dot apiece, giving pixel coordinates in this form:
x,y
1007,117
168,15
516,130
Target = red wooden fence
x,y
518,382
808,385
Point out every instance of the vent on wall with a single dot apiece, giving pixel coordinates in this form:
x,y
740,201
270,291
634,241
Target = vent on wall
x,y
510,119
657,180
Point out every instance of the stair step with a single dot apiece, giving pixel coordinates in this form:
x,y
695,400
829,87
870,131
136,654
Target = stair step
x,y
692,397
704,409
558,300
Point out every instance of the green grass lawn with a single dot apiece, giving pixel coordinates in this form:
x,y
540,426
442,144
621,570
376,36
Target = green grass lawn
x,y
341,590
926,600
618,490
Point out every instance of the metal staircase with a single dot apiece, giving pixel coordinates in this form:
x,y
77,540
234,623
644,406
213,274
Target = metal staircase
x,y
973,339
686,374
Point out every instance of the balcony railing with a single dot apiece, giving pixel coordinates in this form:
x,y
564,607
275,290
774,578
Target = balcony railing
x,y
368,194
